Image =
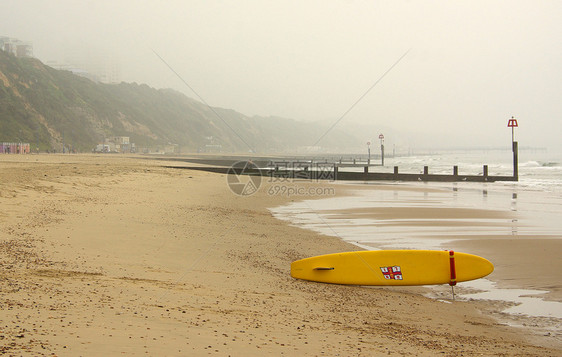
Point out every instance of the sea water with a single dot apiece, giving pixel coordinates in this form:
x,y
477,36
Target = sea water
x,y
535,200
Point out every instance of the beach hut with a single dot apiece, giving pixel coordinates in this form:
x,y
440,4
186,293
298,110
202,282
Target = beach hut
x,y
15,148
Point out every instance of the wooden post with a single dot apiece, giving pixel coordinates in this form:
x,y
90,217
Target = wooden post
x,y
455,170
426,170
485,171
366,169
515,162
396,172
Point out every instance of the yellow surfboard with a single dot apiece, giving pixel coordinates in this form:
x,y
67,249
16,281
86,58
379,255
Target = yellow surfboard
x,y
392,267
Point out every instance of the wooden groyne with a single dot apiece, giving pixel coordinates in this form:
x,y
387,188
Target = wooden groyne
x,y
333,168
332,171
338,175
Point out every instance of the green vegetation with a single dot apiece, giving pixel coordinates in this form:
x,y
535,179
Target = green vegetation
x,y
48,107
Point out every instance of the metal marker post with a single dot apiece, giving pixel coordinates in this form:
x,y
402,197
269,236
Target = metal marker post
x,y
369,152
512,123
381,137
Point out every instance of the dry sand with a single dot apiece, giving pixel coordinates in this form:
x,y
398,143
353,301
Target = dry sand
x,y
107,255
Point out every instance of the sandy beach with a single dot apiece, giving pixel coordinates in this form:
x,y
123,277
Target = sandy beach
x,y
113,255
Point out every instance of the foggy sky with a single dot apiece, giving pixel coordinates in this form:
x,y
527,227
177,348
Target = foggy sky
x,y
471,65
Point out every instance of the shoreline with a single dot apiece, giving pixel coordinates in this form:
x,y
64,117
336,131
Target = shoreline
x,y
119,255
525,264
417,218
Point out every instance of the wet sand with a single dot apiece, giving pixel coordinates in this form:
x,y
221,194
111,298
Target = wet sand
x,y
106,255
525,255
521,261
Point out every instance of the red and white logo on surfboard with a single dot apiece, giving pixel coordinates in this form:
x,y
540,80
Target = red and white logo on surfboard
x,y
392,273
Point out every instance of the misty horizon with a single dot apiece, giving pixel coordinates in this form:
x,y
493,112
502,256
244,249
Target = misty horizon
x,y
469,69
